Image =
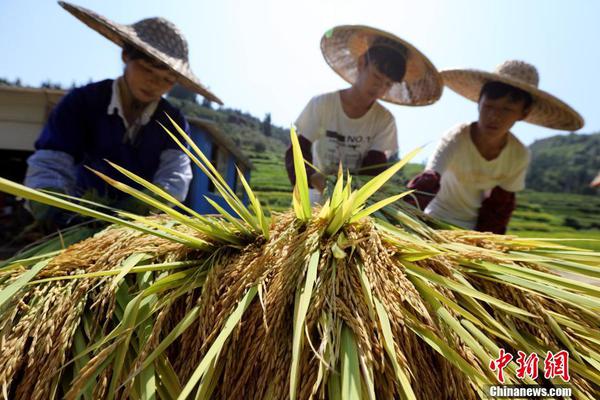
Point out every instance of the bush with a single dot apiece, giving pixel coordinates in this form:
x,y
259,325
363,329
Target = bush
x,y
572,222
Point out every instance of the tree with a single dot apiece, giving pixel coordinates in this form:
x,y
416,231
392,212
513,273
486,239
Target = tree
x,y
206,103
180,92
266,125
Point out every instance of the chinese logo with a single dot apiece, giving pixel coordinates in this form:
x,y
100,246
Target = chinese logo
x,y
555,365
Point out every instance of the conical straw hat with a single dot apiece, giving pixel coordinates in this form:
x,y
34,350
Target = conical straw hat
x,y
547,110
343,45
156,37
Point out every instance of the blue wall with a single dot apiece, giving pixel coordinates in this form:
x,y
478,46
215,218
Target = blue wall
x,y
200,183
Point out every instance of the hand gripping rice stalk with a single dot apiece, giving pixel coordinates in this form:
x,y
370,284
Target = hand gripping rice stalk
x,y
318,302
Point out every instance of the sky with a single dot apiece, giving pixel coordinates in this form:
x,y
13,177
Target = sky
x,y
263,56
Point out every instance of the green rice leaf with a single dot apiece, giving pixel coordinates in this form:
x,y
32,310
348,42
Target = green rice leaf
x,y
217,345
8,292
301,308
388,344
350,369
301,192
377,206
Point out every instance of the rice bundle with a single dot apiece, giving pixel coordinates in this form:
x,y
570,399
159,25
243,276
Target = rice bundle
x,y
318,302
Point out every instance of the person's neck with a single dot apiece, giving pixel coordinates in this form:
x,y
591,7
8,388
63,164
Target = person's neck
x,y
132,108
488,146
353,103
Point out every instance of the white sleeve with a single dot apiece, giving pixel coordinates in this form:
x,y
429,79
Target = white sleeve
x,y
515,182
51,169
444,152
309,122
386,140
174,173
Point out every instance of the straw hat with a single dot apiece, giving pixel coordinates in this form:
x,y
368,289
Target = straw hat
x,y
546,109
156,37
343,45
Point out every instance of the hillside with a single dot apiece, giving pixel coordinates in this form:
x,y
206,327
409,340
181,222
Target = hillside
x,y
564,163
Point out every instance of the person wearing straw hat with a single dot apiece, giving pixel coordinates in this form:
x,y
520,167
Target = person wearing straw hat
x,y
478,167
118,119
350,126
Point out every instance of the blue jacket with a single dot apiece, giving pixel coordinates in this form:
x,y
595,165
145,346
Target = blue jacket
x,y
81,127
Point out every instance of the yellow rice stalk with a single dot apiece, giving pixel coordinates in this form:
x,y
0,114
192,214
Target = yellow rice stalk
x,y
327,303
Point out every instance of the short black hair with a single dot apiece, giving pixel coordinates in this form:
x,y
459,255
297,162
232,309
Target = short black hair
x,y
134,53
496,90
390,59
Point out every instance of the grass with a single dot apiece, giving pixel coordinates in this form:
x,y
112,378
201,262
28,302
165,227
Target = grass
x,y
538,214
558,215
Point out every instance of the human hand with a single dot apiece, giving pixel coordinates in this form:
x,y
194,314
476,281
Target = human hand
x,y
317,181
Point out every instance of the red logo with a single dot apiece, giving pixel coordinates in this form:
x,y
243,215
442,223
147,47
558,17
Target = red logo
x,y
500,363
528,365
555,365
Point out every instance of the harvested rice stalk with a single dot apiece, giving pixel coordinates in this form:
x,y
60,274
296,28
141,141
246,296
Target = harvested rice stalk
x,y
318,302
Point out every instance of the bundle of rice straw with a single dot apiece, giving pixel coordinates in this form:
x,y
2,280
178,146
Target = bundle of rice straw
x,y
317,302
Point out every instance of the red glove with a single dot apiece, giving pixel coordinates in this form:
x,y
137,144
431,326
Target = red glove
x,y
495,211
426,184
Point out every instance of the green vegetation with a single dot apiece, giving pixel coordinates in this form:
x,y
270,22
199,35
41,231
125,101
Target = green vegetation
x,y
558,215
565,163
556,161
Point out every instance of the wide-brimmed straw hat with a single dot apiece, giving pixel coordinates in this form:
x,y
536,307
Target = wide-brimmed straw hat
x,y
156,37
343,45
546,109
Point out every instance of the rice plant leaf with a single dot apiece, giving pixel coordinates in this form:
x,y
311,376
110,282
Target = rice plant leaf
x,y
181,327
301,188
440,346
8,292
262,221
145,198
377,206
413,269
111,272
168,378
369,386
209,381
127,266
539,276
368,189
234,221
79,340
388,344
334,386
350,368
563,337
228,195
19,190
577,300
212,170
199,222
188,240
128,325
301,308
474,345
219,342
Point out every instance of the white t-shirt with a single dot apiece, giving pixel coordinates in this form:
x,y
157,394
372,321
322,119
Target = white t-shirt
x,y
467,177
335,137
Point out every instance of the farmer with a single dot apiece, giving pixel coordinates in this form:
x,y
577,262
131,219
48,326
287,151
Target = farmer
x,y
118,120
350,126
478,167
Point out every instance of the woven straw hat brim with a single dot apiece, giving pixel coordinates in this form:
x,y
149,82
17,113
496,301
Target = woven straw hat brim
x,y
121,34
343,45
547,110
